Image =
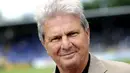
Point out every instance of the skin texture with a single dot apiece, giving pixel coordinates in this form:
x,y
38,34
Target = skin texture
x,y
66,42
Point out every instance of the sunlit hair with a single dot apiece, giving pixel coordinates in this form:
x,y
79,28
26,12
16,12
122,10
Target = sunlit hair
x,y
50,8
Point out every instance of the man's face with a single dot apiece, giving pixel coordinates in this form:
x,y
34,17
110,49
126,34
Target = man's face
x,y
65,40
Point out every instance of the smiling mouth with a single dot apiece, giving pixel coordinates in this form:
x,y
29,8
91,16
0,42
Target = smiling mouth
x,y
69,55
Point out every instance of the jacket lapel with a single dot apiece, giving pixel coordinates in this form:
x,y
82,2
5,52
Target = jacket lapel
x,y
96,66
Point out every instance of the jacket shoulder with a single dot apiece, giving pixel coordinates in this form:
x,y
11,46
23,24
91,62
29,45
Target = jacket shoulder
x,y
117,67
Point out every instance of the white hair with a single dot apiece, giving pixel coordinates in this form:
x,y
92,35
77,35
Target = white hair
x,y
51,7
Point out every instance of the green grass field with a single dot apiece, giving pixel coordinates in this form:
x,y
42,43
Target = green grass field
x,y
29,70
124,60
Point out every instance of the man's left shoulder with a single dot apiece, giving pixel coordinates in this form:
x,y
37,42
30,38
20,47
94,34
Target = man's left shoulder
x,y
117,66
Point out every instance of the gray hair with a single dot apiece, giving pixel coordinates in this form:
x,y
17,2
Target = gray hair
x,y
51,7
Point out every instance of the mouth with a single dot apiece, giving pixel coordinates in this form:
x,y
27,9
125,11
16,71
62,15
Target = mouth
x,y
68,55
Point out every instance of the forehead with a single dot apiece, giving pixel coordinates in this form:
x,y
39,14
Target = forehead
x,y
60,19
61,23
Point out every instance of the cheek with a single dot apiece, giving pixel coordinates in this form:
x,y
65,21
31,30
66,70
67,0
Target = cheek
x,y
53,49
82,43
82,40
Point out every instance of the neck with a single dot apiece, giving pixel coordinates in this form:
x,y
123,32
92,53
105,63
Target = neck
x,y
75,69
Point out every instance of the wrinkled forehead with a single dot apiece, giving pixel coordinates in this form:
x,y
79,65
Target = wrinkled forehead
x,y
62,14
61,22
57,15
60,19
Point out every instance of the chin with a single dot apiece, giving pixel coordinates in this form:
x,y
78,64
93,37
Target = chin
x,y
70,63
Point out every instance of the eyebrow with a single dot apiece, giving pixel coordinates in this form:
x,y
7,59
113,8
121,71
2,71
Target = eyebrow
x,y
66,33
53,36
73,30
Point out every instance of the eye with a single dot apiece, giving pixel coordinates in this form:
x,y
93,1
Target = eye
x,y
73,34
56,38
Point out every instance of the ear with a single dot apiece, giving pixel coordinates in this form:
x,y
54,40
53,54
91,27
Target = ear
x,y
88,32
45,46
43,43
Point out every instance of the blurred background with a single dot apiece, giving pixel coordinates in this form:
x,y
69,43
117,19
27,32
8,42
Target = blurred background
x,y
22,52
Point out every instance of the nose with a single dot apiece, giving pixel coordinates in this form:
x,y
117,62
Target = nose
x,y
66,44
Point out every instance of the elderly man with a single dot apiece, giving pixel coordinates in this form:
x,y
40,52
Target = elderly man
x,y
64,32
